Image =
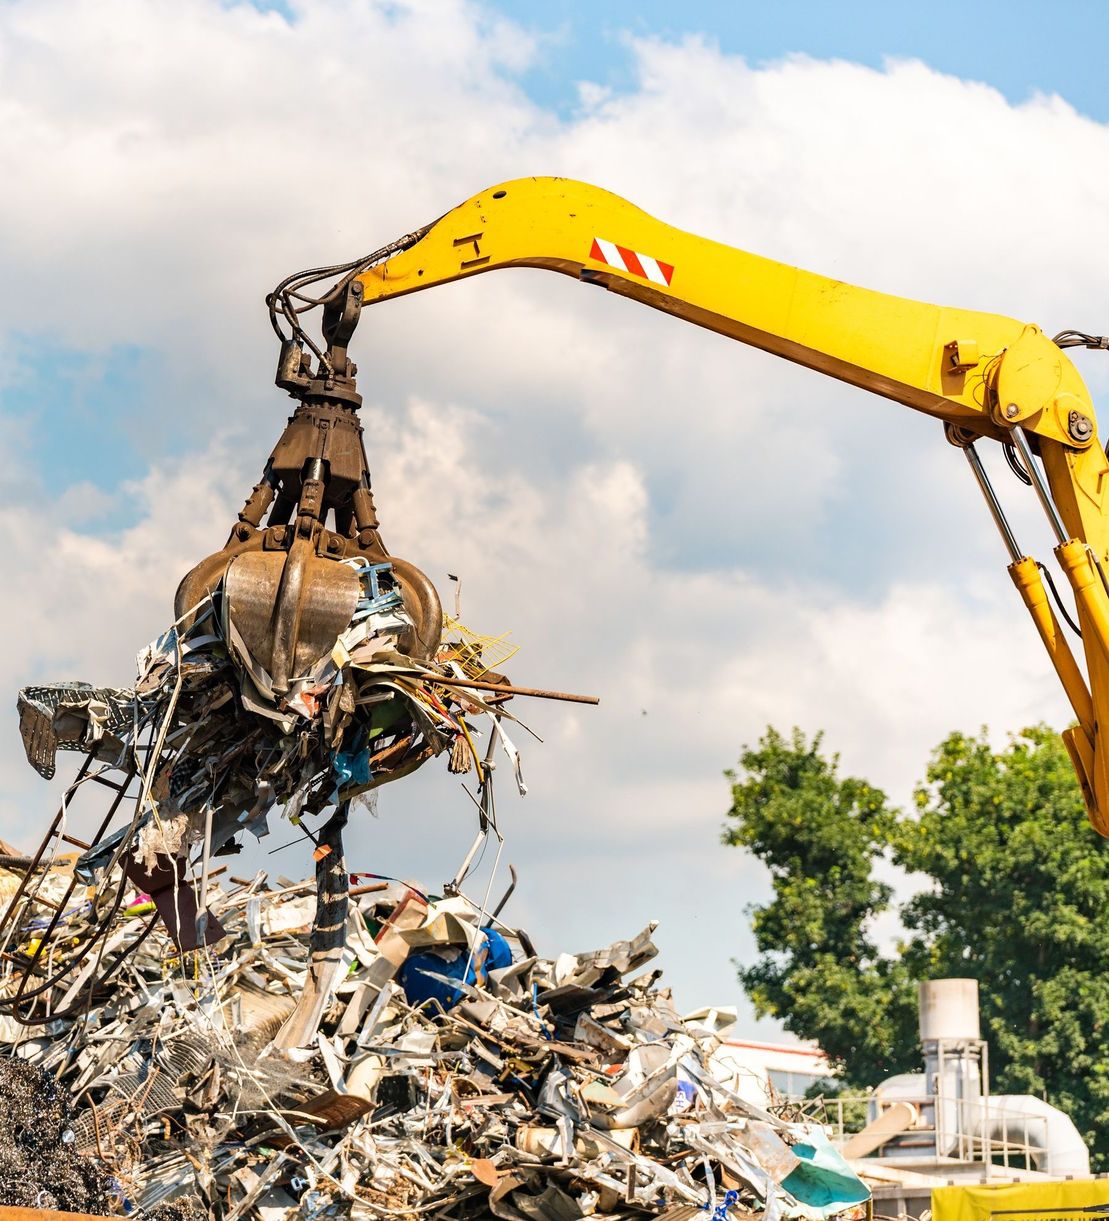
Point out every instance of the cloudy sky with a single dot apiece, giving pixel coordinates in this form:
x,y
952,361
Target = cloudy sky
x,y
709,539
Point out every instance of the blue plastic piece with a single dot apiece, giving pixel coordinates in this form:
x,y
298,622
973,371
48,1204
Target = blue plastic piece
x,y
418,975
824,1184
720,1212
378,600
500,953
351,767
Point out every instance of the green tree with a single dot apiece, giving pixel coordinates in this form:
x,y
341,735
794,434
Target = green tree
x,y
1020,902
1017,896
819,971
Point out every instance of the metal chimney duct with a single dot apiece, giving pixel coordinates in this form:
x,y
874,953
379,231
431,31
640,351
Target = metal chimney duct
x,y
955,1060
966,1123
949,1010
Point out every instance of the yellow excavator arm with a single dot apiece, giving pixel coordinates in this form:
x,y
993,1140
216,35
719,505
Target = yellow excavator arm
x,y
984,375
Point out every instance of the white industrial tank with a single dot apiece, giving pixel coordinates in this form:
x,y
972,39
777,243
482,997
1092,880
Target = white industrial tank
x,y
949,1009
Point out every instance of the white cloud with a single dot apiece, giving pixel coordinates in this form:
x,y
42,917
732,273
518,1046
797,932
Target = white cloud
x,y
705,537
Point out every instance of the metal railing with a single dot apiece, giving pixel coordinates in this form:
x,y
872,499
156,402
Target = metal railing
x,y
963,1133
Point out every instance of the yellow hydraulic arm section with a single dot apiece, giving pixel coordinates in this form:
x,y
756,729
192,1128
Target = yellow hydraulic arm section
x,y
984,375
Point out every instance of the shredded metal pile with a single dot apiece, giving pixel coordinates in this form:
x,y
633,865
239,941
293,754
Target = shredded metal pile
x,y
453,1074
40,1164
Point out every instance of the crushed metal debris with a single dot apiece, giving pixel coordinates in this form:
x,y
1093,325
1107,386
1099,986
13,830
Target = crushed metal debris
x,y
453,1074
202,749
346,1046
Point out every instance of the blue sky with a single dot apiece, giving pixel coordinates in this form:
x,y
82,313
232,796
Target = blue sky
x,y
1017,46
96,402
676,523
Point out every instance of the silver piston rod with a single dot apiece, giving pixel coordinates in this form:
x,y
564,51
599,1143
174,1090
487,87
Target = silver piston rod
x,y
1020,440
1025,573
992,503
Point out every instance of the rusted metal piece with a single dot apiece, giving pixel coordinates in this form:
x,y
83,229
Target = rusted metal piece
x,y
508,689
289,595
173,896
371,888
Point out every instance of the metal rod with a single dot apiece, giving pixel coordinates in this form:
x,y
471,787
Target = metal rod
x,y
464,868
22,994
7,922
443,681
371,888
485,821
1020,440
201,922
992,502
507,894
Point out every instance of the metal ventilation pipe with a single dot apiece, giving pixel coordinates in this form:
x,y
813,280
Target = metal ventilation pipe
x,y
1021,1119
954,1057
949,1010
954,1099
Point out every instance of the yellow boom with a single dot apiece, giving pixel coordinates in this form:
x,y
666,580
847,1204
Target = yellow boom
x,y
984,375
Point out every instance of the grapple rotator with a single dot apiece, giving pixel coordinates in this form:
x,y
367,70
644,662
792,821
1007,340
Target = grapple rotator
x,y
289,595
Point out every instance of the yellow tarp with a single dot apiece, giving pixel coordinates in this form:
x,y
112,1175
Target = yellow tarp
x,y
1066,1201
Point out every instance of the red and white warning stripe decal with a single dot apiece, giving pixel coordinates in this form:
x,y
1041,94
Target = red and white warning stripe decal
x,y
632,261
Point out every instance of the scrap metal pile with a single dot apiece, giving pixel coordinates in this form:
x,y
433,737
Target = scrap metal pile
x,y
346,1046
452,1073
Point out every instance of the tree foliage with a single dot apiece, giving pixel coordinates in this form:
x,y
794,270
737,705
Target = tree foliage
x,y
819,970
1014,892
